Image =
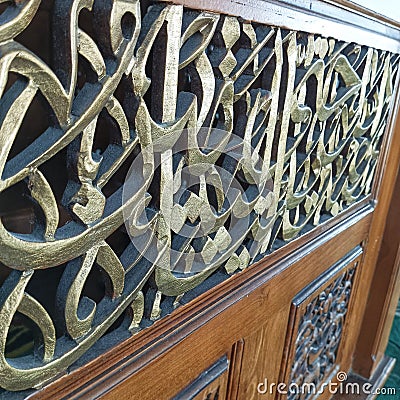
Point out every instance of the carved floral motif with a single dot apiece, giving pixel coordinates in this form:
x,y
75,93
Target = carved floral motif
x,y
319,334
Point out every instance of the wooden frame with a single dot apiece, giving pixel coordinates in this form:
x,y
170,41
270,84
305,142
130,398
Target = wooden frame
x,y
156,360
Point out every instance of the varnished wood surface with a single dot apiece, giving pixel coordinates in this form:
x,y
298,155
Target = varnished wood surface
x,y
381,308
235,369
211,384
263,355
342,20
364,358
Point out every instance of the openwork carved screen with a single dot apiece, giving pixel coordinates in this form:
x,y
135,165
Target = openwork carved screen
x,y
195,102
320,321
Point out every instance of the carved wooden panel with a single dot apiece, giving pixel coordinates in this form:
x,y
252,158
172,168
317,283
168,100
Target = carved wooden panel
x,y
210,385
192,103
317,323
262,357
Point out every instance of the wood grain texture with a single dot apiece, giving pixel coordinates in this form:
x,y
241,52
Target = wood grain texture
x,y
385,287
235,369
364,359
211,384
262,356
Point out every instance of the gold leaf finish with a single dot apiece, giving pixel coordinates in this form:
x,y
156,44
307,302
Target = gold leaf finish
x,y
119,83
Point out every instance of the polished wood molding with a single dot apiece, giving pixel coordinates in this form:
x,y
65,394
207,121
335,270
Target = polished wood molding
x,y
316,16
355,7
211,384
235,370
381,309
364,357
